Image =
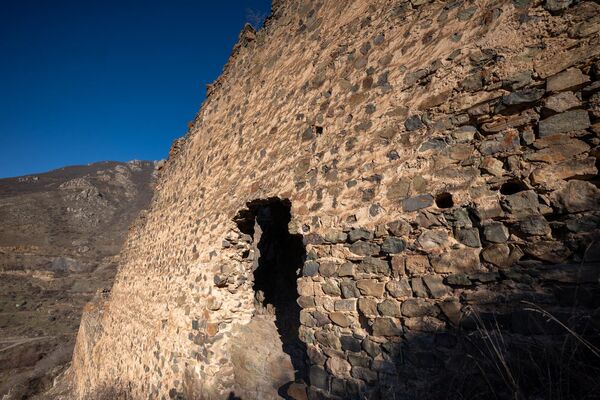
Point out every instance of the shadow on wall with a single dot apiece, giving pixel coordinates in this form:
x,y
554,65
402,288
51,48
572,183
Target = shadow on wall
x,y
495,350
522,354
496,355
500,347
281,257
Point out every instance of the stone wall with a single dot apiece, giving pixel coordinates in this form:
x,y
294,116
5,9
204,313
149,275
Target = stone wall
x,y
439,162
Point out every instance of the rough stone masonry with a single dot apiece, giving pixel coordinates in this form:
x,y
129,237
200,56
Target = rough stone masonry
x,y
413,168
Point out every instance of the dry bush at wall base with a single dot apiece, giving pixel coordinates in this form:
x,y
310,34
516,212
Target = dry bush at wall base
x,y
561,361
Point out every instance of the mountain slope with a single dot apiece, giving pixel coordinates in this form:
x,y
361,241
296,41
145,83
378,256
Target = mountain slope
x,y
60,232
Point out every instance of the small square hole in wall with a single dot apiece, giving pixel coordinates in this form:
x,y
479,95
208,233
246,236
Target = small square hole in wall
x,y
444,200
512,187
318,130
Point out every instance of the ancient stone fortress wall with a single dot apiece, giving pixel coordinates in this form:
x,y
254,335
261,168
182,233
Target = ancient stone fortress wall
x,y
366,185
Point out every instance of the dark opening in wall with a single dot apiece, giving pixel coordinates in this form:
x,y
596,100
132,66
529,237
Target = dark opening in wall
x,y
444,200
512,187
318,130
280,260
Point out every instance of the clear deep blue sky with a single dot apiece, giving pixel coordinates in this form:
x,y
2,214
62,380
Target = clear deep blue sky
x,y
93,80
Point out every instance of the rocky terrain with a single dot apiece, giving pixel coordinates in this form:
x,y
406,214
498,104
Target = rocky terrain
x,y
60,233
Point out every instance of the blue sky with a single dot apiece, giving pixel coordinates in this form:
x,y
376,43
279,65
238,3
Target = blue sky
x,y
94,80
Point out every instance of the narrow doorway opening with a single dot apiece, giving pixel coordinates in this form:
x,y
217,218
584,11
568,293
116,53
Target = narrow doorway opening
x,y
278,261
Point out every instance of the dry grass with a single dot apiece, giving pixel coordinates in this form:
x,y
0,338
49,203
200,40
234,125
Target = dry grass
x,y
546,366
